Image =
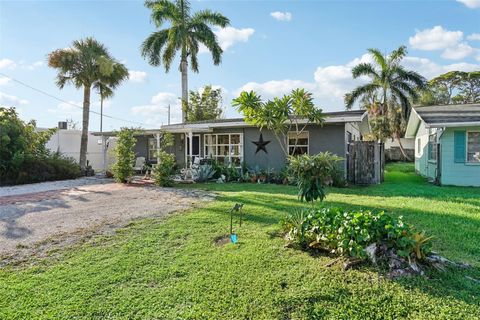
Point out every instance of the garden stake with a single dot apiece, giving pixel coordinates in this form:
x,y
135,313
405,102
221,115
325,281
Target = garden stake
x,y
237,207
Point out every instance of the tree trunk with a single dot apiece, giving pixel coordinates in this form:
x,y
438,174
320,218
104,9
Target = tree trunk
x,y
84,139
402,150
184,70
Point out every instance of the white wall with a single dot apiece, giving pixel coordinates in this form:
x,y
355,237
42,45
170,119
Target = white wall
x,y
407,143
67,142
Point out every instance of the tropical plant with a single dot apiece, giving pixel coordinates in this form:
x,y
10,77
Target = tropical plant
x,y
391,86
290,113
204,105
87,63
164,170
122,169
312,173
205,173
185,33
349,233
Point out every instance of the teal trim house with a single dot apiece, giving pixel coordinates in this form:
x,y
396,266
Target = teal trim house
x,y
447,143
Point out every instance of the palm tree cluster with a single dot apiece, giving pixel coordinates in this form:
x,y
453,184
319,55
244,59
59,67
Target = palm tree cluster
x,y
185,33
87,64
389,94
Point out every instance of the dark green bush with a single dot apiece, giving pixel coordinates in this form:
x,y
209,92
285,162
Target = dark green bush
x,y
40,169
350,232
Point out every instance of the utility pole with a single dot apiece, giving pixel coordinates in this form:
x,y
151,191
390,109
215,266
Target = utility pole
x,y
169,114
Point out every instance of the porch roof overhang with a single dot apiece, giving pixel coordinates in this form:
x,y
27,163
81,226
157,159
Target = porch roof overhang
x,y
139,132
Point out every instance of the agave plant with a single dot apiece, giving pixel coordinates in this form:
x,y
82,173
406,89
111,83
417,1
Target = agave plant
x,y
205,173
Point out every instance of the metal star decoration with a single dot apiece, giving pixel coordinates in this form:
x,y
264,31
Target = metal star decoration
x,y
261,144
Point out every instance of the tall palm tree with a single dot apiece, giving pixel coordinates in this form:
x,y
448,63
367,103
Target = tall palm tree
x,y
391,86
185,33
86,64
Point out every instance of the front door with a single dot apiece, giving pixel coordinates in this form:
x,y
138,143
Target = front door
x,y
195,152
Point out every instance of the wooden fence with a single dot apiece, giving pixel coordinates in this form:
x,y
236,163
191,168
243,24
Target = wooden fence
x,y
365,162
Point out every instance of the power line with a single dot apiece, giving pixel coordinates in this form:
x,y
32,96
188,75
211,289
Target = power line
x,y
68,102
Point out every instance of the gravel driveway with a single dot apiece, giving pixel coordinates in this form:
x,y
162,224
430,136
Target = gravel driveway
x,y
61,211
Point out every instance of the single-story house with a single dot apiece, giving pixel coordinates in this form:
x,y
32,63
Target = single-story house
x,y
447,143
235,141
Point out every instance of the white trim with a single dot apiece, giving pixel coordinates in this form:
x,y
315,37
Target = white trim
x,y
452,124
298,145
466,147
189,145
241,145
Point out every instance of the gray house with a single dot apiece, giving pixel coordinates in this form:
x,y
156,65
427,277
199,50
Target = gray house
x,y
234,141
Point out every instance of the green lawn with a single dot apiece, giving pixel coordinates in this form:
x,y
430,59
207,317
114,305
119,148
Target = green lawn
x,y
171,269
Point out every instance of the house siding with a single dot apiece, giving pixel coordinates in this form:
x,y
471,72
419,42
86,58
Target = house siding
x,y
454,173
330,137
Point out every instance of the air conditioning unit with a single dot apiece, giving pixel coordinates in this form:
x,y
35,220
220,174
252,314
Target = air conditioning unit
x,y
62,125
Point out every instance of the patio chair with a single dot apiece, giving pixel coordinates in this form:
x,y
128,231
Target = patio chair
x,y
139,164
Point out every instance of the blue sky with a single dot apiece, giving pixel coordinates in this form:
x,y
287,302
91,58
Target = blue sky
x,y
271,47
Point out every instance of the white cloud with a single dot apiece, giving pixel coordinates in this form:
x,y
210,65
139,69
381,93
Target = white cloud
x,y
156,113
430,69
7,63
11,101
4,81
436,38
33,66
472,4
281,16
137,76
67,109
228,36
474,36
458,52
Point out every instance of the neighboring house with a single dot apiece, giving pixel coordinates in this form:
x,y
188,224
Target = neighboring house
x,y
67,142
447,143
234,141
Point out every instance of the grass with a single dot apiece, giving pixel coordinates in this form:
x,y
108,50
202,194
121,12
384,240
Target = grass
x,y
171,269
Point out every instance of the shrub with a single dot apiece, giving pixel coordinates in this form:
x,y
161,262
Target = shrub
x,y
350,232
125,156
40,169
164,170
205,173
312,173
337,176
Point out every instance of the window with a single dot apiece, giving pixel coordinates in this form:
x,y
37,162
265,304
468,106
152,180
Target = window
x,y
298,143
473,146
152,149
432,147
225,148
419,146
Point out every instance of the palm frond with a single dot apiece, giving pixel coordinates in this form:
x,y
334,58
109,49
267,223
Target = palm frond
x,y
379,58
152,47
360,92
162,11
210,17
364,69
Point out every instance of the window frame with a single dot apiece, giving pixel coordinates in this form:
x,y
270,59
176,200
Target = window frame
x,y
466,147
152,149
430,147
215,146
298,145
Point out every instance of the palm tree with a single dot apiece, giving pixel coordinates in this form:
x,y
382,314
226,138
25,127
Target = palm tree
x,y
185,33
86,64
391,86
